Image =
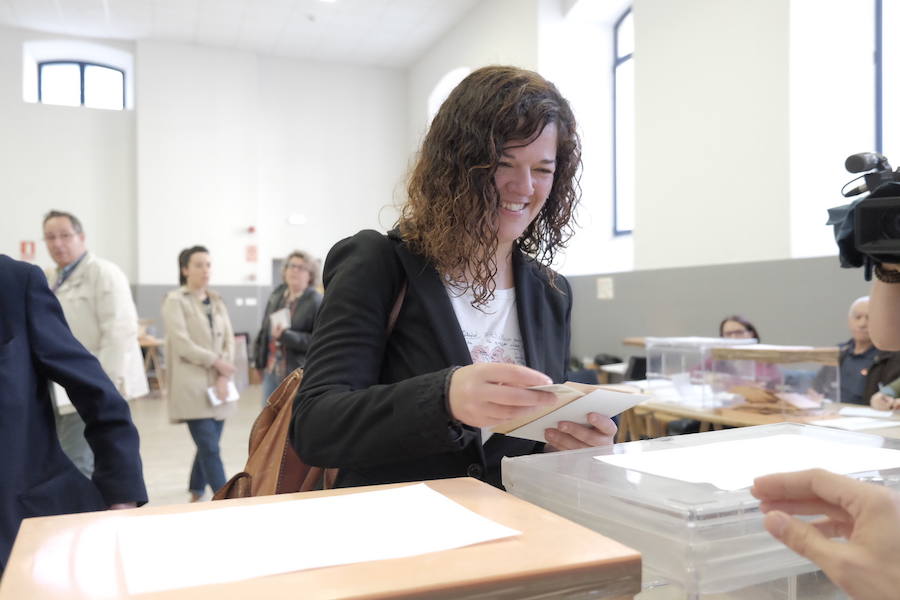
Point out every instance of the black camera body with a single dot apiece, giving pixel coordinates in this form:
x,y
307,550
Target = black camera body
x,y
867,231
877,228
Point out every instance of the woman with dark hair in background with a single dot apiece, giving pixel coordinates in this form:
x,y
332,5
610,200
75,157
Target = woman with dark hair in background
x,y
478,315
280,350
737,326
199,356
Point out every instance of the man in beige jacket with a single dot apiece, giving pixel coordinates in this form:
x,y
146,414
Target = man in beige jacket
x,y
96,300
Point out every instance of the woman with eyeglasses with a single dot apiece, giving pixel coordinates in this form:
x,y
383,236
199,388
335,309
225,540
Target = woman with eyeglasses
x,y
736,326
280,349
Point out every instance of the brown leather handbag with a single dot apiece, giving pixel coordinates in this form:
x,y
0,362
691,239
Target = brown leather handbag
x,y
273,466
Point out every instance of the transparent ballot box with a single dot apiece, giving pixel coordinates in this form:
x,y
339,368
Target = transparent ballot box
x,y
700,538
678,369
779,380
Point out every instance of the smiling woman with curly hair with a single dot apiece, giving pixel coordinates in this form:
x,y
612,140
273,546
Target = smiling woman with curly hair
x,y
453,208
431,335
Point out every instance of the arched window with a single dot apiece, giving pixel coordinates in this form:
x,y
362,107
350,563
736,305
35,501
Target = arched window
x,y
77,73
72,83
443,88
623,124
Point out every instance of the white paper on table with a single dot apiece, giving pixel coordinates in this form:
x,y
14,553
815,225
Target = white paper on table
x,y
233,544
231,397
605,402
280,318
734,464
865,411
856,423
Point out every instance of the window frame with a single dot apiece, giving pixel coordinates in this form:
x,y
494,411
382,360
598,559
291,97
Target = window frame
x,y
82,64
617,62
878,58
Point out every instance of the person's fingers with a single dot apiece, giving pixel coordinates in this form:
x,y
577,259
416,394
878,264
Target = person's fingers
x,y
804,485
810,506
515,396
514,375
805,539
881,402
602,423
568,436
561,441
832,528
500,413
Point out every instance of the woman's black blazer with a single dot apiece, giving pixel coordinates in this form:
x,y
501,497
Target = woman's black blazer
x,y
295,340
375,405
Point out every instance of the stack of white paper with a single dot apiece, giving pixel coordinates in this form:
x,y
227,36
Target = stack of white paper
x,y
735,464
164,552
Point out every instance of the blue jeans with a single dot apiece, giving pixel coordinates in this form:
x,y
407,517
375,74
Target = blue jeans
x,y
270,383
207,467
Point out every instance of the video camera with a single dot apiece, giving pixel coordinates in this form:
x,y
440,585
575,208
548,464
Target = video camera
x,y
867,231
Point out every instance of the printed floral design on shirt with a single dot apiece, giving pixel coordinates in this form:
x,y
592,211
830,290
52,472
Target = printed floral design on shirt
x,y
495,347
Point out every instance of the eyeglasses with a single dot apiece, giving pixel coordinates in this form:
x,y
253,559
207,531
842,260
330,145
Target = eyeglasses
x,y
737,333
63,236
297,267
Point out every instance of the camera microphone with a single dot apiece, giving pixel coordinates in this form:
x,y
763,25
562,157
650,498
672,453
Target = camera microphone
x,y
865,161
856,191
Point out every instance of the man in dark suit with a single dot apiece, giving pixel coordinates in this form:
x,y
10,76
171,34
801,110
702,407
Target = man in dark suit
x,y
37,347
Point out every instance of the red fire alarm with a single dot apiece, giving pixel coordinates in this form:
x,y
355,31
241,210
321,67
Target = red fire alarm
x,y
27,250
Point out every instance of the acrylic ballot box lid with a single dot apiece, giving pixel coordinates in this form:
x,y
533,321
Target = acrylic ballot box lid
x,y
705,539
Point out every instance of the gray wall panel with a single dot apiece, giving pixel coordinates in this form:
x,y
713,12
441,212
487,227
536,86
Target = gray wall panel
x,y
799,301
244,319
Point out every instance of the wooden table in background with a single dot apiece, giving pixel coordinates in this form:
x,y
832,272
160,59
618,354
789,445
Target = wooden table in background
x,y
553,557
650,420
152,362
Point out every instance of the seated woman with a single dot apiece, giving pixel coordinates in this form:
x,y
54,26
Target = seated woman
x,y
478,314
736,327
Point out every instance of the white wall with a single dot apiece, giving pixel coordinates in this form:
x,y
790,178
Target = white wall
x,y
712,157
494,32
229,140
75,159
333,147
575,53
571,51
832,110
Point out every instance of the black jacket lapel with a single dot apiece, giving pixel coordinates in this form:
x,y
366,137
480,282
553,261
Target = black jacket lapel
x,y
427,285
529,289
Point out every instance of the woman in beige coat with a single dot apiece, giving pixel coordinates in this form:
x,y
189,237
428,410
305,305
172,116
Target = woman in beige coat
x,y
199,356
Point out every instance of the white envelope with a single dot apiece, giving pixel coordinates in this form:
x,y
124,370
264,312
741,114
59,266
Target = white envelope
x,y
572,405
232,394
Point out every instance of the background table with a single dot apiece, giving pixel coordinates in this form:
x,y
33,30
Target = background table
x,y
649,420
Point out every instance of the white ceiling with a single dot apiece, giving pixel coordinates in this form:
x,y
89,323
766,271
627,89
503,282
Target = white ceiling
x,y
389,33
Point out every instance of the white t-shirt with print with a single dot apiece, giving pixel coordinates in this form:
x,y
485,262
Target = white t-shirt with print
x,y
491,332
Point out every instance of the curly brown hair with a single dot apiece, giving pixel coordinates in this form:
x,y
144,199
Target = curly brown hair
x,y
452,211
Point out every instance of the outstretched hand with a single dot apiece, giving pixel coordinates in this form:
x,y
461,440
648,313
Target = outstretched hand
x,y
866,515
572,436
486,394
